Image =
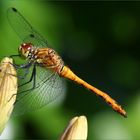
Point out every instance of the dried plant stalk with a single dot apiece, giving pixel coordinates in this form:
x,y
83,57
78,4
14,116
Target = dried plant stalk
x,y
77,129
8,90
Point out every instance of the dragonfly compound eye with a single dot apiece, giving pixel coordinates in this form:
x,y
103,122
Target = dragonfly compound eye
x,y
25,49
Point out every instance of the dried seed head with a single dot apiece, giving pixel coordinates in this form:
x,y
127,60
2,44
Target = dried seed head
x,y
8,90
76,129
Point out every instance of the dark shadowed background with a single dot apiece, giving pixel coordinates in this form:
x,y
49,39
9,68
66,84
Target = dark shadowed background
x,y
99,41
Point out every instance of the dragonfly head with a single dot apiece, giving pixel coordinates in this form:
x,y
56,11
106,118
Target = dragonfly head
x,y
25,50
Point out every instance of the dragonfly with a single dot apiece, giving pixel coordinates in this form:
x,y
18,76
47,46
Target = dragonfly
x,y
46,67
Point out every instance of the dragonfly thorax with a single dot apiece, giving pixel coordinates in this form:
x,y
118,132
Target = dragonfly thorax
x,y
25,50
48,58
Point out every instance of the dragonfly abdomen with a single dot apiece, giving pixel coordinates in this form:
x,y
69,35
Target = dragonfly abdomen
x,y
67,73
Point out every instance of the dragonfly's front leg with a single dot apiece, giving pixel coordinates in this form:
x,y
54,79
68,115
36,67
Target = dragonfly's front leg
x,y
23,66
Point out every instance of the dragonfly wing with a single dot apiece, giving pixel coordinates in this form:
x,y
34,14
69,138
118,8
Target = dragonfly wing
x,y
23,28
48,87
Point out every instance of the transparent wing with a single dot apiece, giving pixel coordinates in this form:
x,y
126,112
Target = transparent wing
x,y
48,87
23,29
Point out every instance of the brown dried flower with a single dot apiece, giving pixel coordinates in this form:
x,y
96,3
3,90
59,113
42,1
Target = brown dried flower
x,y
8,90
77,129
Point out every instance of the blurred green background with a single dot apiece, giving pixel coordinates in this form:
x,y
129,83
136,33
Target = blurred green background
x,y
99,41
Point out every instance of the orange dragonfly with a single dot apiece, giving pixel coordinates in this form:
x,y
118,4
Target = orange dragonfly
x,y
46,68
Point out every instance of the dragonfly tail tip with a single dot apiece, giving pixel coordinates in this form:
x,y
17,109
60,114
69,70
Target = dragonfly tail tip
x,y
125,115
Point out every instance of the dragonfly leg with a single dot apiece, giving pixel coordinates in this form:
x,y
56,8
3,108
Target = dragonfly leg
x,y
22,66
16,55
12,97
31,78
25,73
25,66
26,82
23,76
